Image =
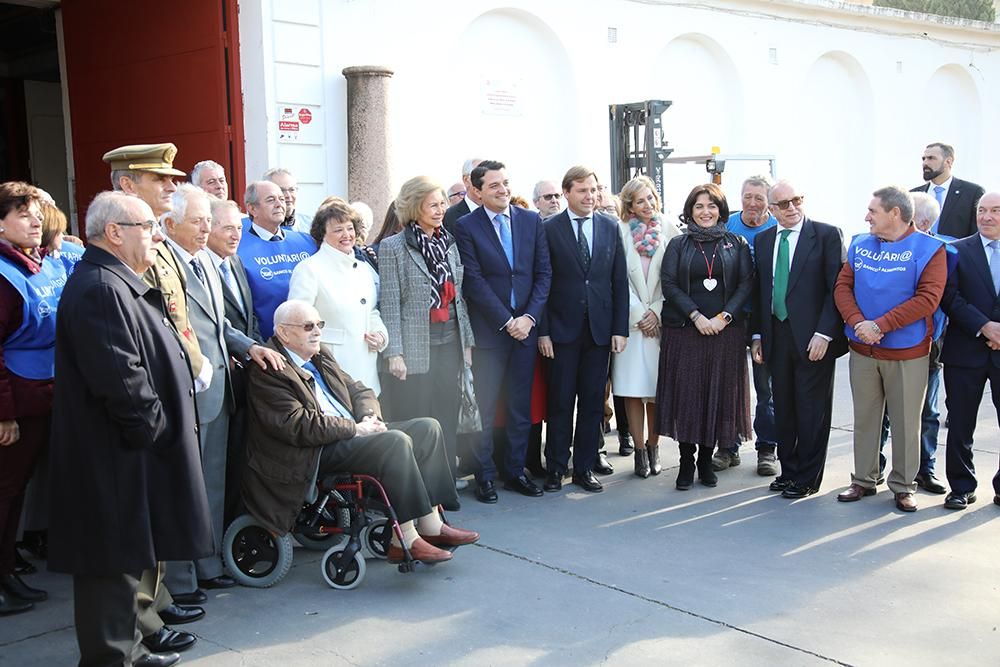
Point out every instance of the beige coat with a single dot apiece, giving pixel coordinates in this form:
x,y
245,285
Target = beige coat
x,y
342,288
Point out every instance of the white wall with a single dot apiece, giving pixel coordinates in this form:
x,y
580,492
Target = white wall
x,y
844,98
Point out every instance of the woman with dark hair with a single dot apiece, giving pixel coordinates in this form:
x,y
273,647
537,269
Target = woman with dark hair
x,y
423,309
703,392
391,226
30,285
343,289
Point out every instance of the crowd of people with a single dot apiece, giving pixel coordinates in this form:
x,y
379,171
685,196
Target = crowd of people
x,y
207,363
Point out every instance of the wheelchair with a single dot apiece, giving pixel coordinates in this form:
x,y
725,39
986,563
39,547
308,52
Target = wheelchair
x,y
350,517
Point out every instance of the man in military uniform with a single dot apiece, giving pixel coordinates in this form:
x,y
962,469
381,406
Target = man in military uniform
x,y
147,171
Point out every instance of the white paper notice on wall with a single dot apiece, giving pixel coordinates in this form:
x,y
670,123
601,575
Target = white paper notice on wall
x,y
299,124
502,97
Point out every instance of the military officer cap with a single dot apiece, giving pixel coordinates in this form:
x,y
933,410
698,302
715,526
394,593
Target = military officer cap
x,y
155,158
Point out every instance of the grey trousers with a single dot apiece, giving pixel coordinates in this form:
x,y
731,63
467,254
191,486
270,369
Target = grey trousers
x,y
409,459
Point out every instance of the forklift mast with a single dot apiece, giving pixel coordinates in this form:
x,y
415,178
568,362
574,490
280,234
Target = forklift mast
x,y
637,143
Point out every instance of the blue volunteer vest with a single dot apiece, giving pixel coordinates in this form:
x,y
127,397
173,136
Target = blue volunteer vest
x,y
29,352
885,275
69,255
269,266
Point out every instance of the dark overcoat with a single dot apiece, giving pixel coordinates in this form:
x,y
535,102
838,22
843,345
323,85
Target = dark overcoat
x,y
287,430
125,472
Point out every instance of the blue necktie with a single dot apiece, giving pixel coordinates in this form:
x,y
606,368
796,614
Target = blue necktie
x,y
329,395
939,194
227,278
507,241
995,264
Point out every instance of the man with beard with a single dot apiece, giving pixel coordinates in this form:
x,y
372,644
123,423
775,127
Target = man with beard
x,y
957,198
748,223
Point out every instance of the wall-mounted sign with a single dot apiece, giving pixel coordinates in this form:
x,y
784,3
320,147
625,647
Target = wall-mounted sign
x,y
299,124
502,97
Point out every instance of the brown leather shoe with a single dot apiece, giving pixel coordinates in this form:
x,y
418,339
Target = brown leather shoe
x,y
420,550
452,537
855,492
905,502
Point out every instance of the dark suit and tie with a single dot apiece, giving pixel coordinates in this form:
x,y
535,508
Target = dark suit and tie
x,y
588,304
958,212
972,304
507,275
238,302
793,302
455,212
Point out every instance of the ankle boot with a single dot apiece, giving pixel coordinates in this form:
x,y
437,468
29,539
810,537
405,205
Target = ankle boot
x,y
641,464
685,475
653,450
12,605
706,475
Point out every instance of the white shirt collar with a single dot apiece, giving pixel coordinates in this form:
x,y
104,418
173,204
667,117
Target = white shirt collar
x,y
184,255
493,215
265,234
471,204
946,185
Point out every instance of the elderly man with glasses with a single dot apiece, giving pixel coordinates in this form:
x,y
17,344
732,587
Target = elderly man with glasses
x,y
547,199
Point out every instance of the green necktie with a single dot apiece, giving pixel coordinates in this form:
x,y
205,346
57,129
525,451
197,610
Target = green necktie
x,y
781,277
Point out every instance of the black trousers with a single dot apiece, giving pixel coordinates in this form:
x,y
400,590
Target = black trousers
x,y
105,611
803,407
409,460
578,375
964,389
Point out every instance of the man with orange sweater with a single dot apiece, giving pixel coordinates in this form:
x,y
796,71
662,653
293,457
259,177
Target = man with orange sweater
x,y
887,293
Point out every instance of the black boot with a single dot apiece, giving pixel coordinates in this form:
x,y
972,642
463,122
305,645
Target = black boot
x,y
685,474
653,450
12,605
706,475
625,446
641,464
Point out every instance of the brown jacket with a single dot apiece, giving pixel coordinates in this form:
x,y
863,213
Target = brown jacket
x,y
287,430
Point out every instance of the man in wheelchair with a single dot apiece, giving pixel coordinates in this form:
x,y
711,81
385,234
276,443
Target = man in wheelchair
x,y
311,419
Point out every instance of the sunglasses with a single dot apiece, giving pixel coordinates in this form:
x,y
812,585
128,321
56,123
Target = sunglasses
x,y
785,203
307,326
554,195
459,194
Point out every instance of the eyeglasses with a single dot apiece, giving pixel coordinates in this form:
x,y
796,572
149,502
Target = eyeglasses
x,y
147,225
307,326
289,191
459,194
550,197
785,203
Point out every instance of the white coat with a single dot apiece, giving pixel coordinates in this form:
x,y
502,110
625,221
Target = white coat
x,y
342,289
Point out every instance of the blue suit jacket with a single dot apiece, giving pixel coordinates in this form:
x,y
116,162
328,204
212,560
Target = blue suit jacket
x,y
970,302
602,293
489,277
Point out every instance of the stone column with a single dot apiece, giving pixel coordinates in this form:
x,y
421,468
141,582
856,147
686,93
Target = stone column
x,y
368,143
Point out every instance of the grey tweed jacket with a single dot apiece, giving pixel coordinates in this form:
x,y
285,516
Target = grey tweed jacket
x,y
405,299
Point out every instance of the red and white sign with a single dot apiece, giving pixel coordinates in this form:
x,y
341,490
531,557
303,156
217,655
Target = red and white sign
x,y
296,126
305,116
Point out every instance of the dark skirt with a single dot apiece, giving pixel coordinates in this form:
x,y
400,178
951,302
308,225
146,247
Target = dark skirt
x,y
703,390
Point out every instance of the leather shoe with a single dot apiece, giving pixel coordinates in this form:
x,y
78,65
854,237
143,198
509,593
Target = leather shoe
x,y
854,493
22,566
10,605
959,501
197,596
795,491
929,483
625,446
524,486
602,466
16,588
158,660
421,550
780,484
588,482
167,640
221,581
178,615
996,499
453,537
553,481
905,502
486,491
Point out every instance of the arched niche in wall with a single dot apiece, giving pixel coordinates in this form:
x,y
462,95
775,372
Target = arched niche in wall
x,y
829,140
953,115
698,75
505,91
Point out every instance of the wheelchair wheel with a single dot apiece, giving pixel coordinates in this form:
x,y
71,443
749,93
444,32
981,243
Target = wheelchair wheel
x,y
253,556
332,515
375,538
349,575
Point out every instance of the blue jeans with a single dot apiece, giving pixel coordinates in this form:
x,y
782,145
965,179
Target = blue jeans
x,y
930,418
763,421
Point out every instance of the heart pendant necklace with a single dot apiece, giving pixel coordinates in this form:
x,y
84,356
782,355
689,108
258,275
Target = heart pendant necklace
x,y
710,283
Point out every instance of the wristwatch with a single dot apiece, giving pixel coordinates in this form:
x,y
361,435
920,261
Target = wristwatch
x,y
726,316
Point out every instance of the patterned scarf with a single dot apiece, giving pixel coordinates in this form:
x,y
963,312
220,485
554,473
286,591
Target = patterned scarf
x,y
645,237
435,252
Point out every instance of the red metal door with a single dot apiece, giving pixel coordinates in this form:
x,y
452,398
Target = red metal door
x,y
150,72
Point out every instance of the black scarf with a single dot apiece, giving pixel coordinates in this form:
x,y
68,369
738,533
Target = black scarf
x,y
434,250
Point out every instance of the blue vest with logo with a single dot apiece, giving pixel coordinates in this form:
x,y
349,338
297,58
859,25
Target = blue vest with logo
x,y
269,266
885,275
69,255
29,352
